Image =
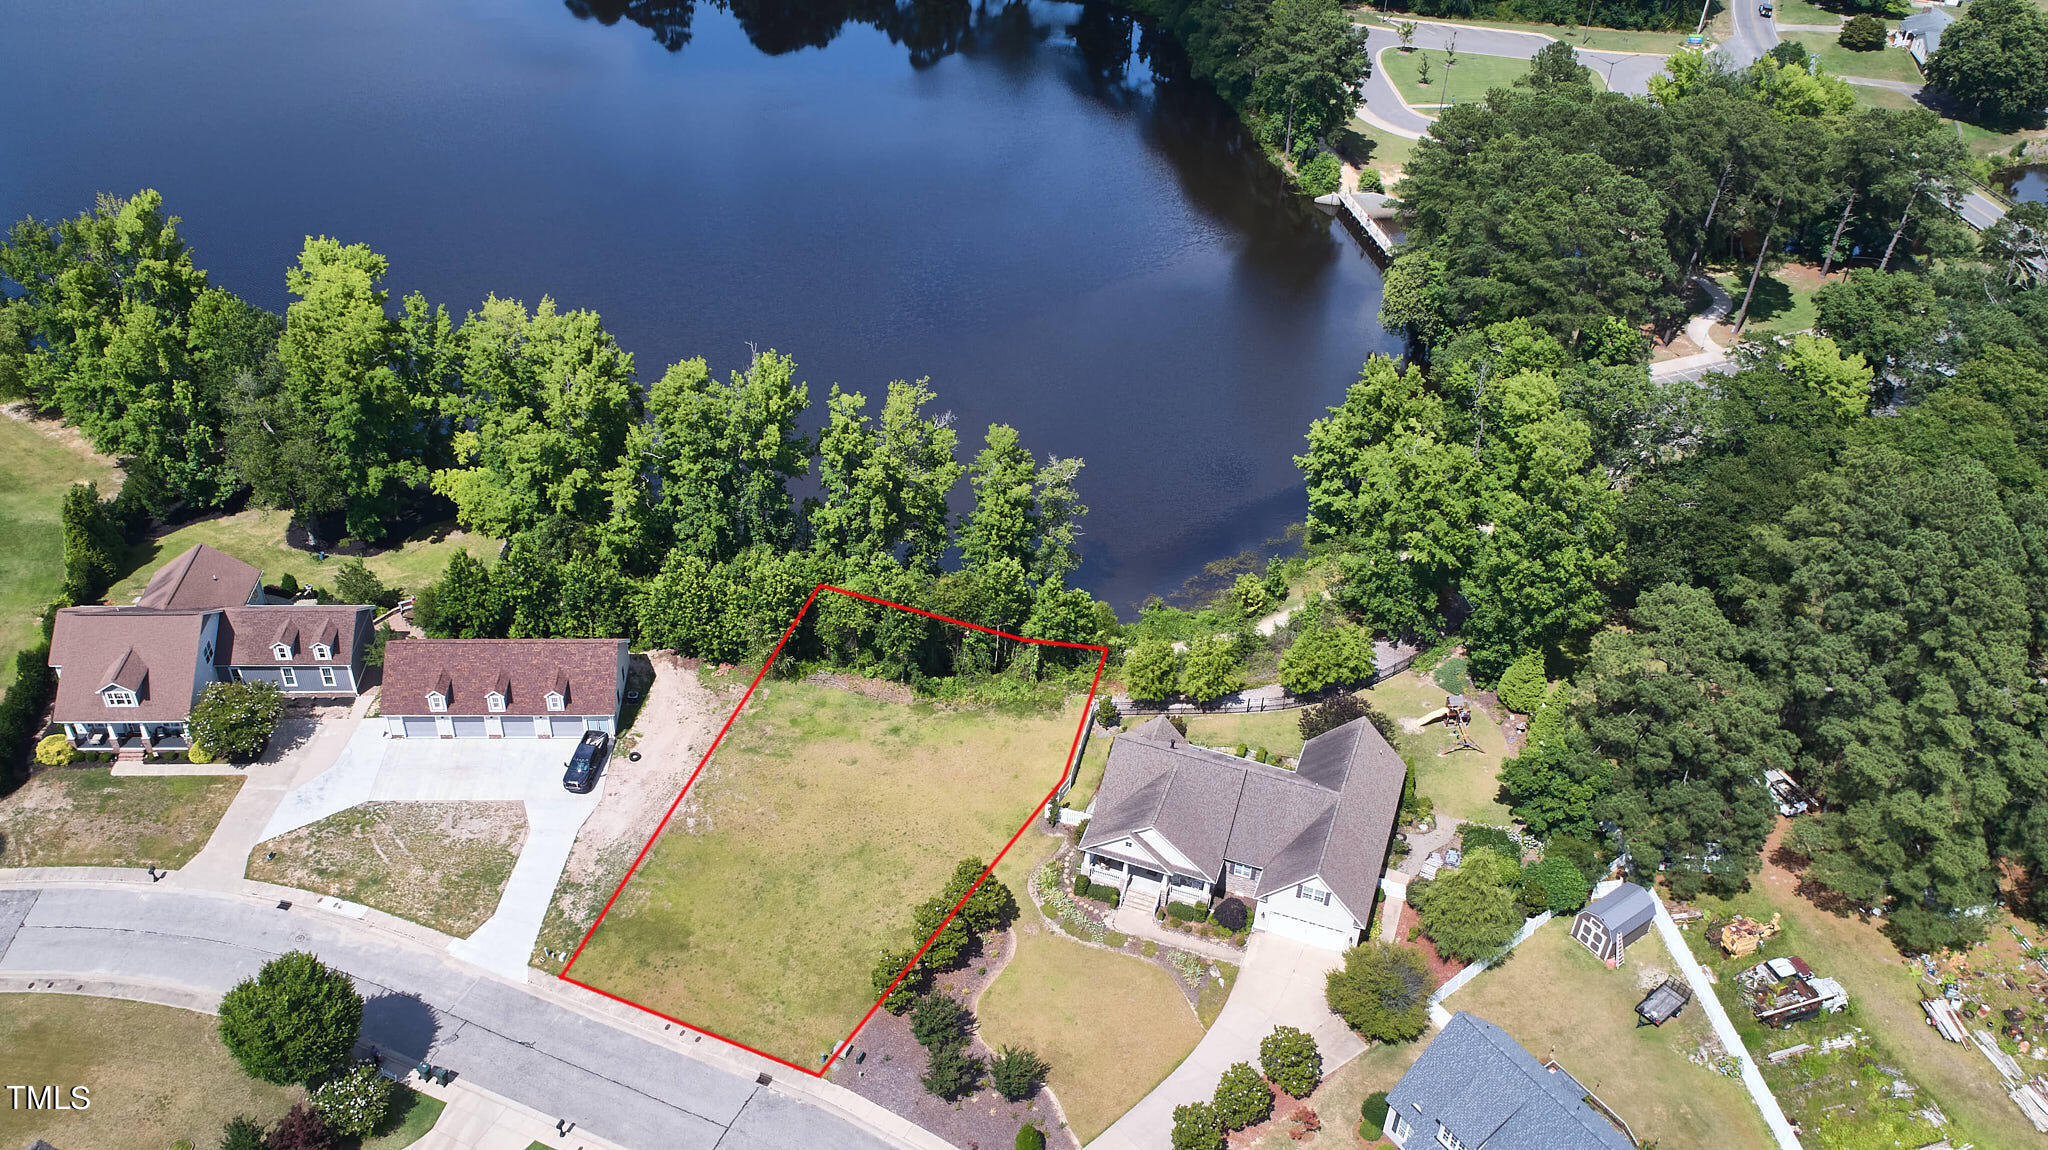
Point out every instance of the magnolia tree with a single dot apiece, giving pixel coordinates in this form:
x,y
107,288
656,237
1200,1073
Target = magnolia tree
x,y
233,721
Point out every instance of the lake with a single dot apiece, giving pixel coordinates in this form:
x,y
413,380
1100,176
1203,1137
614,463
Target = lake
x,y
1002,198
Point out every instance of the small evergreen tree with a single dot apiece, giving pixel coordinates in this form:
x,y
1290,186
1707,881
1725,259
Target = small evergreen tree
x,y
1196,1127
355,583
1016,1074
1242,1097
915,983
294,1022
1863,33
1290,1058
1382,992
951,1073
938,1020
1523,685
1030,1138
241,1134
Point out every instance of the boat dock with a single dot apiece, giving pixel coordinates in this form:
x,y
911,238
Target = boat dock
x,y
1367,211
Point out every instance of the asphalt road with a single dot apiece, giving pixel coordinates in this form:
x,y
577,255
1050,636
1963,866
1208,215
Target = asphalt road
x,y
420,1005
1622,71
1753,35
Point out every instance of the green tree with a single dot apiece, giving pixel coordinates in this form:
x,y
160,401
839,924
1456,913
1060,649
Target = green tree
x,y
725,454
1524,684
1819,364
687,607
1382,992
917,981
463,604
233,721
1863,33
92,544
1242,1097
1553,65
1213,670
1555,884
885,486
1994,61
239,1133
1016,1074
1471,912
2019,242
1196,1126
354,1103
1555,783
1327,653
938,1020
1290,1058
1250,596
355,583
951,1072
295,1021
1309,68
1152,670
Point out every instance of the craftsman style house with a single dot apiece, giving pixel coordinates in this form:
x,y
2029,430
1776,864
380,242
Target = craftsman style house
x,y
1475,1088
1176,821
503,688
127,676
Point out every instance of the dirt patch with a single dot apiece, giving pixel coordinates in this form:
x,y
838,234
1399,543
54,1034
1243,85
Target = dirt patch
x,y
82,816
1440,968
674,727
881,689
58,432
884,1064
442,865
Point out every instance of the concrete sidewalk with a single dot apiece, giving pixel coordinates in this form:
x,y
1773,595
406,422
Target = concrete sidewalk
x,y
311,744
1281,984
1140,924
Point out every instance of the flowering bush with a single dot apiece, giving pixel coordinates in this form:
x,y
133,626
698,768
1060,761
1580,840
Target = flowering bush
x,y
355,1102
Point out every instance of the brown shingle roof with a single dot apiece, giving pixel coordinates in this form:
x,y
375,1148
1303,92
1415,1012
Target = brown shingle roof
x,y
247,633
586,671
154,653
201,577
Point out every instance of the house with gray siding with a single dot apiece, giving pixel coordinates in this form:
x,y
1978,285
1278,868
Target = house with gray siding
x,y
127,676
1475,1088
502,688
1174,821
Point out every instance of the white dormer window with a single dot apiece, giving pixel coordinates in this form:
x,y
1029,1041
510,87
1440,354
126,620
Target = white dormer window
x,y
436,701
1446,1139
120,697
281,650
322,651
554,700
1312,894
494,701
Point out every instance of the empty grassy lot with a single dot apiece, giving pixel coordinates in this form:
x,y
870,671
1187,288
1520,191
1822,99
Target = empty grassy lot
x,y
1558,1001
1466,82
1883,64
1783,303
258,536
1461,784
441,865
819,824
1054,996
1277,731
39,461
83,816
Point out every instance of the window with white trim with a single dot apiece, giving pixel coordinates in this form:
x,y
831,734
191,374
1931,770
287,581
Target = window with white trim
x,y
1446,1139
1402,1127
281,650
554,700
120,697
494,701
322,651
327,676
287,676
1244,870
1312,894
436,701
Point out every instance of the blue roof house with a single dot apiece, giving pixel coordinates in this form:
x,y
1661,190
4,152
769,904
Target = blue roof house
x,y
1475,1088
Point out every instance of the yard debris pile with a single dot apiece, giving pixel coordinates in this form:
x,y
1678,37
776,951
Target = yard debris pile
x,y
1994,998
1785,990
1741,936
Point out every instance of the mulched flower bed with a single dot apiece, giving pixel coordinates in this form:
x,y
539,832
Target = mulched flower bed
x,y
1440,968
888,1075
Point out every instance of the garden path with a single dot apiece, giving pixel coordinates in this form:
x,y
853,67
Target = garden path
x,y
1139,923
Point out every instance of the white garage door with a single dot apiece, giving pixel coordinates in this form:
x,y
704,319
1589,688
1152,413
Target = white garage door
x,y
565,728
470,727
519,727
1302,930
420,729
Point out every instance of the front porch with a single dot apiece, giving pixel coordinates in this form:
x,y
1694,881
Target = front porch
x,y
1144,884
129,741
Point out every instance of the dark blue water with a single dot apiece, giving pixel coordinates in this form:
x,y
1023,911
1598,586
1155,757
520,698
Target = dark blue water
x,y
2028,183
999,197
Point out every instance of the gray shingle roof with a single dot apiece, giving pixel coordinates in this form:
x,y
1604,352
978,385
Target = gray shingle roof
x,y
1624,908
1489,1092
1333,817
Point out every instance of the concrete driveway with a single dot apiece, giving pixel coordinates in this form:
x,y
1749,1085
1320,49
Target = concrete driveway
x,y
375,768
1280,984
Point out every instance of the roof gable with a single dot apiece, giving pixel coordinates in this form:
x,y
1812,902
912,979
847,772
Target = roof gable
x,y
1488,1091
153,653
249,634
201,577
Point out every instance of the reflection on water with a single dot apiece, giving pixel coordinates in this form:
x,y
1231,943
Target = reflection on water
x,y
1027,202
2027,183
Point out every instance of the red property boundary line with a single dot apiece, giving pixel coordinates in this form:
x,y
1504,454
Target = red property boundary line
x,y
1102,661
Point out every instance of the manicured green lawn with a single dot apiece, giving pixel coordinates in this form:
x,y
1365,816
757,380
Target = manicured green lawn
x,y
157,1074
257,536
1277,731
39,461
1804,12
83,816
411,1115
1888,98
1055,996
822,821
1461,784
1783,303
1558,1001
1466,82
1377,147
1596,39
442,865
1883,64
1089,777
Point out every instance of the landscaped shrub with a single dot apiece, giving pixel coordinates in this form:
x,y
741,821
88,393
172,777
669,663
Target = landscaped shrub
x,y
1370,180
53,751
1290,1058
294,1022
938,1020
288,585
1030,1138
1863,33
1242,1097
1081,886
1322,175
951,1073
1185,911
198,755
1106,713
1241,749
1555,884
1477,838
354,1103
21,711
1016,1074
301,1128
990,907
1373,1111
241,1134
1108,894
1382,992
1230,914
355,583
234,720
1196,1127
1524,684
916,981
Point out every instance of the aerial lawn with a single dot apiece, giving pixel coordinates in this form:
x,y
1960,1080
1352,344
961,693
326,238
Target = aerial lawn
x,y
1782,305
1054,996
1559,1001
1595,39
442,865
1277,731
1466,82
39,461
83,816
157,1074
1462,784
1369,147
258,536
798,856
1883,64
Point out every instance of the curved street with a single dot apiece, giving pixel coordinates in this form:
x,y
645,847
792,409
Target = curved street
x,y
537,1045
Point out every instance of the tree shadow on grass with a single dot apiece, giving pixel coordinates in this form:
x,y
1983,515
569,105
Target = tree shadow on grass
x,y
1773,299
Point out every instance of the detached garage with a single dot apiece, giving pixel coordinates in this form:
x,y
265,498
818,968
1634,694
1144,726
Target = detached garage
x,y
502,688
